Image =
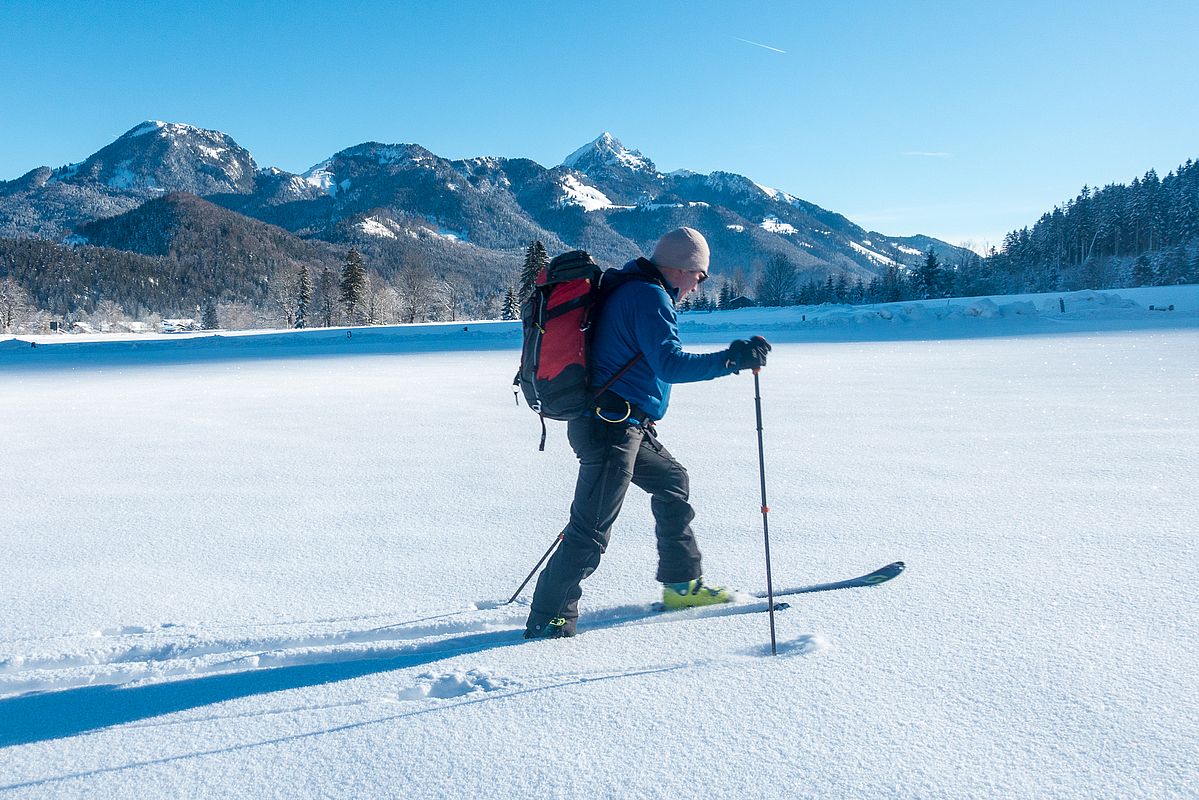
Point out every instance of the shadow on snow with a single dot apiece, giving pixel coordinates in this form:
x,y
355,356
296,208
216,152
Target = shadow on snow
x,y
52,715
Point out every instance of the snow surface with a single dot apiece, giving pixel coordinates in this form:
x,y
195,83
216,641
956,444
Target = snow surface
x,y
577,193
775,194
323,178
122,176
274,565
372,226
149,126
773,225
873,255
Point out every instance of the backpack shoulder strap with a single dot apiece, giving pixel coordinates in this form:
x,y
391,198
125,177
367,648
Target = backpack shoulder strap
x,y
610,282
613,279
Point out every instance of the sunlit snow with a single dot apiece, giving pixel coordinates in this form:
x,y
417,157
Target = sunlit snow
x,y
577,193
375,227
873,255
773,225
275,564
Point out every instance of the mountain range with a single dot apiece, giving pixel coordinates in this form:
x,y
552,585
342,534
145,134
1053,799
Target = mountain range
x,y
400,204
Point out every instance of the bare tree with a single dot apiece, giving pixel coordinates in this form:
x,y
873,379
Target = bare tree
x,y
238,316
379,300
454,290
326,298
418,291
108,315
389,304
283,297
15,305
778,282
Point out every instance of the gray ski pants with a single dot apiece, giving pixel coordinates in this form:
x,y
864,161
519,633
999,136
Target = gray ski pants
x,y
610,457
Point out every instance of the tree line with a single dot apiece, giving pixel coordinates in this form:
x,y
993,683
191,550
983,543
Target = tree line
x,y
1120,236
104,289
1145,233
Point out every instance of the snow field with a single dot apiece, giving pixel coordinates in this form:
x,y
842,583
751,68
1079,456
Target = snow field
x,y
173,530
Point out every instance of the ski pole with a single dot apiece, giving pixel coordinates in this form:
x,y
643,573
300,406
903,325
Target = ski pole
x,y
529,577
765,511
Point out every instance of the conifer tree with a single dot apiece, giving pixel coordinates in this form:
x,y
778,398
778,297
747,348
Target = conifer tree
x,y
511,309
929,274
842,289
353,285
808,293
859,292
725,296
1142,272
209,319
892,288
875,291
536,259
1172,268
1192,275
303,296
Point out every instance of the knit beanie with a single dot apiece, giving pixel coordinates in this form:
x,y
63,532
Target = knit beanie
x,y
682,248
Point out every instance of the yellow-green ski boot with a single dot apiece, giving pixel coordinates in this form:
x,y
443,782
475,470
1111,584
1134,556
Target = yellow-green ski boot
x,y
690,594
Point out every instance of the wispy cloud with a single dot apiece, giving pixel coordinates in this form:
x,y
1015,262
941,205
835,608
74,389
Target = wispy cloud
x,y
759,44
921,154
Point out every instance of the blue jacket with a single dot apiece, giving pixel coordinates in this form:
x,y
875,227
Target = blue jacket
x,y
638,316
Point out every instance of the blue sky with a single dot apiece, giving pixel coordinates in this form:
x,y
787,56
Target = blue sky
x,y
955,119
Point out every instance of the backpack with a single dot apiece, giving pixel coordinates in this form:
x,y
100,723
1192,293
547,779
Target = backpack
x,y
555,367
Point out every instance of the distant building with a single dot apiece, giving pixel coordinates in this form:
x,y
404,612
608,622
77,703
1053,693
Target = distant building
x,y
178,325
740,301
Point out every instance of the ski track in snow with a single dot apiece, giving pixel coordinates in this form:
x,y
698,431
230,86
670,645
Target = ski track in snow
x,y
424,639
466,688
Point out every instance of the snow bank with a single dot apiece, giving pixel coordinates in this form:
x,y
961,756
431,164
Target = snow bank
x,y
925,319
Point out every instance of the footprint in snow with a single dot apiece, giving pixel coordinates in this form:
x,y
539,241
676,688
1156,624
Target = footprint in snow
x,y
805,645
454,684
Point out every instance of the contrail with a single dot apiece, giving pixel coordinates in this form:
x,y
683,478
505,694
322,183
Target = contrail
x,y
926,155
759,44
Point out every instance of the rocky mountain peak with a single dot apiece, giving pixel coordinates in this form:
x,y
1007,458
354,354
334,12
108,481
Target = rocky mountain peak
x,y
160,156
606,152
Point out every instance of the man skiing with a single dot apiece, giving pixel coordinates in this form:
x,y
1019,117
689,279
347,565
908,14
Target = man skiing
x,y
616,442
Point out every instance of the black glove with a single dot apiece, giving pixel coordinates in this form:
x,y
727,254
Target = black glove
x,y
747,354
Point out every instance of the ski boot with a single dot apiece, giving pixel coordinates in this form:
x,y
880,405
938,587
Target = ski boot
x,y
690,594
554,628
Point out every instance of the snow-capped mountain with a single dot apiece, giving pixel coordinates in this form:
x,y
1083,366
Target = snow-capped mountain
x,y
627,176
400,202
147,161
166,156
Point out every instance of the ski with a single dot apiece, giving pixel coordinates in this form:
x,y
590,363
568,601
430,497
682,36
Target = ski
x,y
880,575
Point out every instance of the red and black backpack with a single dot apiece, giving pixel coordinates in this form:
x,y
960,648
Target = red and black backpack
x,y
555,366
